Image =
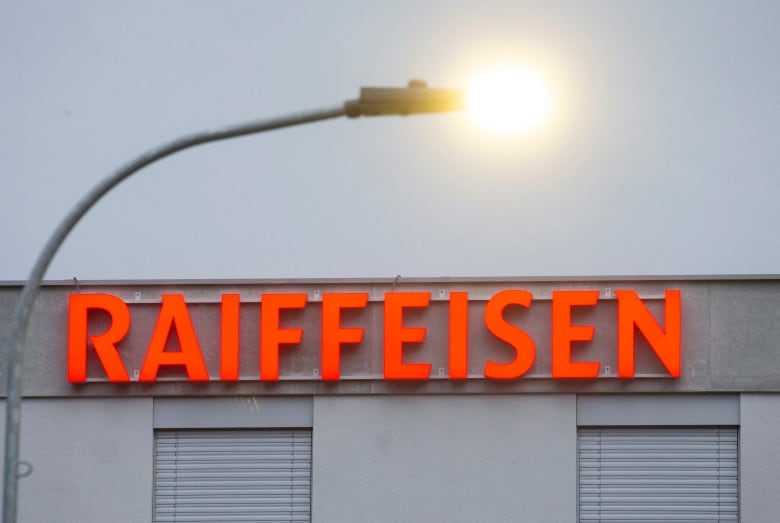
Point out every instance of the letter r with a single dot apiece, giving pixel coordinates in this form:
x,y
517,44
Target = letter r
x,y
79,306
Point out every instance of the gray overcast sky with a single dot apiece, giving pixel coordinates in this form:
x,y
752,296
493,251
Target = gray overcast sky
x,y
662,157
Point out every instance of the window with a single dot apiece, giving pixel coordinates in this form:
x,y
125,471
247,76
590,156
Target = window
x,y
232,475
644,474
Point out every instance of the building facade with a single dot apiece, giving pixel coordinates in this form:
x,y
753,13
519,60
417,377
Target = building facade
x,y
544,400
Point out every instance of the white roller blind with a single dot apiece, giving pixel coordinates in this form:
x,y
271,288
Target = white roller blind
x,y
239,475
658,474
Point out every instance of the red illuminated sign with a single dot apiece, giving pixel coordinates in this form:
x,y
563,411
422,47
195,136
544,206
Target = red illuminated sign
x,y
174,318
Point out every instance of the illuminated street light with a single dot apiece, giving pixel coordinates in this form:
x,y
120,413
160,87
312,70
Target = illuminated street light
x,y
416,98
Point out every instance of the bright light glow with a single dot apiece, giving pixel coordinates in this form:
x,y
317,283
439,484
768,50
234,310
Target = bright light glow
x,y
507,100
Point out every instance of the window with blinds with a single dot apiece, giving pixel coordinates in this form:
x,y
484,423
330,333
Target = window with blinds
x,y
232,475
658,474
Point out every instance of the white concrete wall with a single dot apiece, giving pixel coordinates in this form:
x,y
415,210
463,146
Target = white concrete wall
x,y
759,449
445,458
92,460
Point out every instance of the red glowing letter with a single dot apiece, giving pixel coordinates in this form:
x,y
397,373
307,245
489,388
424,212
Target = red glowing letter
x,y
105,344
564,333
396,335
174,316
665,342
459,334
524,346
228,369
333,334
272,335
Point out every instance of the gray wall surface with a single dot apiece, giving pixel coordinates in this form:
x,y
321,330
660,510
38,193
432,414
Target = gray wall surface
x,y
759,449
436,450
92,460
454,459
622,410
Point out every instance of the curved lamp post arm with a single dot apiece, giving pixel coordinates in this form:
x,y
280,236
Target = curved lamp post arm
x,y
373,101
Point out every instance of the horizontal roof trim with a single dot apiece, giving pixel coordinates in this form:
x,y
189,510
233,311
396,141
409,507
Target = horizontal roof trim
x,y
399,279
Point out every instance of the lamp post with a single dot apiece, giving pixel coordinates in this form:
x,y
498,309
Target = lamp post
x,y
374,101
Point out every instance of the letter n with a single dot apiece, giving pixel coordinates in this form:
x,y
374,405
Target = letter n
x,y
665,342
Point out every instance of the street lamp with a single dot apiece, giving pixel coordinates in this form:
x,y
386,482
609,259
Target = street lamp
x,y
374,101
